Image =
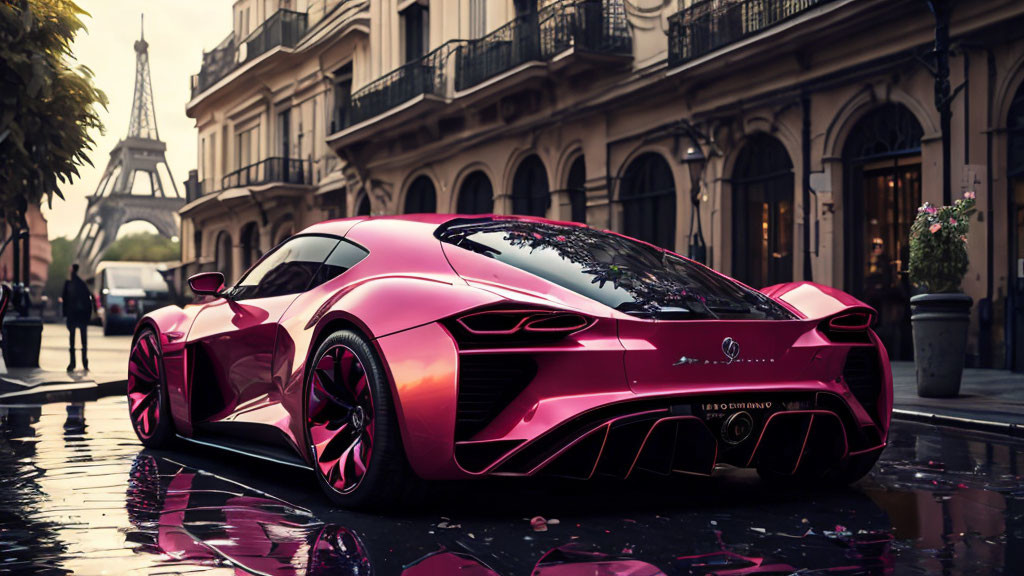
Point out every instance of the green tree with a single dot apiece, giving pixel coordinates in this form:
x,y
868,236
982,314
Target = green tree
x,y
143,247
48,105
62,251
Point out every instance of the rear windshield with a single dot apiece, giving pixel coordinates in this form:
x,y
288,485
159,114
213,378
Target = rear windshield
x,y
619,272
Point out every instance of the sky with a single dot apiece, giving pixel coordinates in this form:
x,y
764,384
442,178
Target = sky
x,y
177,32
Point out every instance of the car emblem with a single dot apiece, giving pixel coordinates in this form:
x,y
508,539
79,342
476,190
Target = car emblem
x,y
731,349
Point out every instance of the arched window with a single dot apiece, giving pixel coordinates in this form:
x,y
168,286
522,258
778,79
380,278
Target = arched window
x,y
421,197
648,198
197,241
363,205
284,233
222,256
530,193
476,195
762,186
250,240
882,162
1015,129
576,187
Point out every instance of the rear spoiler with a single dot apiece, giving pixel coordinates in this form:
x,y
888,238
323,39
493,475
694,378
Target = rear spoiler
x,y
815,302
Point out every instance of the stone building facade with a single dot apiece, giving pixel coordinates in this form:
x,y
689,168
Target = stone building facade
x,y
777,139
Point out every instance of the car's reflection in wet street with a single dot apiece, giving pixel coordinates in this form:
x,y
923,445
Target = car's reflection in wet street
x,y
78,495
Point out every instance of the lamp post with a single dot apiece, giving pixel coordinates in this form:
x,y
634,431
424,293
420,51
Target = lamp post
x,y
696,161
942,10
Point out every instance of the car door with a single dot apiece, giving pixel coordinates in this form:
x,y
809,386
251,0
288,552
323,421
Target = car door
x,y
233,341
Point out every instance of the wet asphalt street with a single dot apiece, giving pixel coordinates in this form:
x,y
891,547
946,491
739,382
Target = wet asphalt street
x,y
77,494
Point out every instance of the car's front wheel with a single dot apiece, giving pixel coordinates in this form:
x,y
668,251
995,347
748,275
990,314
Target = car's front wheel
x,y
148,406
352,431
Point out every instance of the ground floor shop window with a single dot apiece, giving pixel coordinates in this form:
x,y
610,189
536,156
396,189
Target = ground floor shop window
x,y
648,197
476,196
763,213
882,160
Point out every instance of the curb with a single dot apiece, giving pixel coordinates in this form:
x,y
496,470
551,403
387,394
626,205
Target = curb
x,y
64,392
1007,428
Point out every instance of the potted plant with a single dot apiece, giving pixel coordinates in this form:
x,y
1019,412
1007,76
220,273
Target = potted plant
x,y
941,315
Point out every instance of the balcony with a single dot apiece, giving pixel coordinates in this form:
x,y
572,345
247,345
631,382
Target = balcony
x,y
594,26
269,171
195,189
707,25
282,28
428,75
217,64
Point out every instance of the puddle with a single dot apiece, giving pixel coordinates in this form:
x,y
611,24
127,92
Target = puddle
x,y
78,496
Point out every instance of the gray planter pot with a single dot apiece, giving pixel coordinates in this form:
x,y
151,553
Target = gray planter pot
x,y
940,323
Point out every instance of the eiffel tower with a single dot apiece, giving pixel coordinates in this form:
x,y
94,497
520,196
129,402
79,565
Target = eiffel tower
x,y
116,202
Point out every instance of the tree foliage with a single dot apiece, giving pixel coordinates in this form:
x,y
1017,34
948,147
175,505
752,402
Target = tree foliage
x,y
938,245
48,105
143,247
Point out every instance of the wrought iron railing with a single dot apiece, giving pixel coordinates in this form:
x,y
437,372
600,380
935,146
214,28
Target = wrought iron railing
x,y
427,75
282,28
708,25
283,170
217,64
515,43
587,25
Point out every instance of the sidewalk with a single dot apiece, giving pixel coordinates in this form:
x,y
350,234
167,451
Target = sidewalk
x,y
108,358
39,386
991,400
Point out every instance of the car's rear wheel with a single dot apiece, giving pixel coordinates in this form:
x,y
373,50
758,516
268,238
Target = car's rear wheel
x,y
148,406
352,431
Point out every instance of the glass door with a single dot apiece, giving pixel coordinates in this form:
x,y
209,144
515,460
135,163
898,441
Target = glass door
x,y
891,196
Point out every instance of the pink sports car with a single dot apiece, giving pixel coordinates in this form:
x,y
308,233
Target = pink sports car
x,y
376,351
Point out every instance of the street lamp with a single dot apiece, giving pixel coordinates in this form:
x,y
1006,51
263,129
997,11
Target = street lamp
x,y
696,161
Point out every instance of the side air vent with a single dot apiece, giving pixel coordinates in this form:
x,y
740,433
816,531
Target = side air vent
x,y
487,384
862,374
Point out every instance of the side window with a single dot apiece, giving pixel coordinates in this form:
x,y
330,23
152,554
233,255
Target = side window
x,y
344,256
287,270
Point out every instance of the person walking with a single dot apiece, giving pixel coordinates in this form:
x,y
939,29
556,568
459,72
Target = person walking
x,y
78,305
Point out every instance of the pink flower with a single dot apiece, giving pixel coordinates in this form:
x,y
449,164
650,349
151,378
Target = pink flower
x,y
935,228
952,221
969,195
931,209
964,239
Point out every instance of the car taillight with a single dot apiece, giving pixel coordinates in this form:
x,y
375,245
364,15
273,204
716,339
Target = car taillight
x,y
115,309
130,305
511,326
851,322
848,327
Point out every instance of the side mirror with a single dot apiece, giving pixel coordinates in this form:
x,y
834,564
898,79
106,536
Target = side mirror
x,y
207,283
